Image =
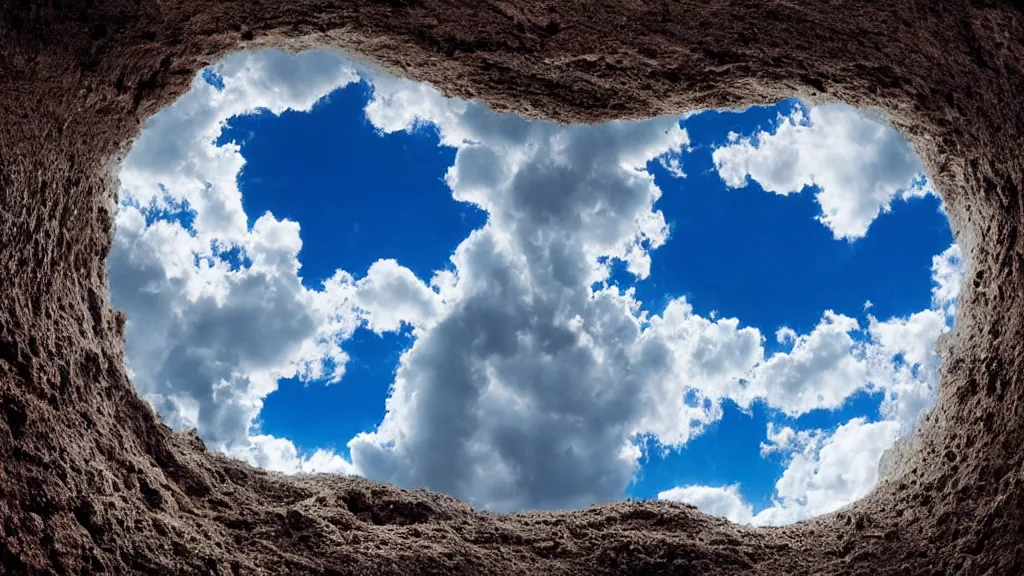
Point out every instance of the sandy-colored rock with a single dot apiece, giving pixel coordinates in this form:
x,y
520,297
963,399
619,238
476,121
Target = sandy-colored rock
x,y
90,482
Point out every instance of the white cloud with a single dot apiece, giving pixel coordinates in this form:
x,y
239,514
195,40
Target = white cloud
x,y
206,340
913,337
280,455
785,335
858,165
913,381
948,270
709,359
176,149
824,473
527,391
525,387
782,438
828,470
821,370
390,296
724,501
206,343
508,401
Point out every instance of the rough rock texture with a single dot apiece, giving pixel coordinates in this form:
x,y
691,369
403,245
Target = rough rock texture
x,y
91,482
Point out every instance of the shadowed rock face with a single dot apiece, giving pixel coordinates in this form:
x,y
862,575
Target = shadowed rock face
x,y
91,482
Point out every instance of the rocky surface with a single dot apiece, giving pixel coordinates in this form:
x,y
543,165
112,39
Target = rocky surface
x,y
90,482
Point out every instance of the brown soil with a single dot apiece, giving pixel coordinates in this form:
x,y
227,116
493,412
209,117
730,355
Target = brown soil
x,y
91,482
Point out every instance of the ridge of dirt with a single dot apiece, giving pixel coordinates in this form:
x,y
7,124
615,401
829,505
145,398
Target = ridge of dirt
x,y
91,482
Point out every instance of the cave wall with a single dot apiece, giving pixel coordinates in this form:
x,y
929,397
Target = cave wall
x,y
91,482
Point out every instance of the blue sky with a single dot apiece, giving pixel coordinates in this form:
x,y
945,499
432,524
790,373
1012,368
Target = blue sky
x,y
364,183
765,260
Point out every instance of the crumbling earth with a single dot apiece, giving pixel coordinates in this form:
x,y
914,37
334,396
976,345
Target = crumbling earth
x,y
90,482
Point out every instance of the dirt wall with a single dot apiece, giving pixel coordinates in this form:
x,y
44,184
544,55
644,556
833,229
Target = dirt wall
x,y
90,482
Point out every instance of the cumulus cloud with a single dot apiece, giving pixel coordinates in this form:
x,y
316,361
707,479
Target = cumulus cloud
x,y
527,392
389,296
826,470
913,377
281,455
782,438
526,386
532,386
205,342
724,501
821,369
948,270
858,165
824,473
175,158
207,337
